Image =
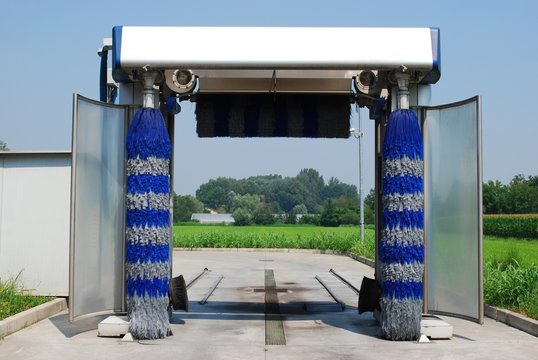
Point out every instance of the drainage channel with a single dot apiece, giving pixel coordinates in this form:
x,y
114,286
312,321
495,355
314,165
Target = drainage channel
x,y
274,329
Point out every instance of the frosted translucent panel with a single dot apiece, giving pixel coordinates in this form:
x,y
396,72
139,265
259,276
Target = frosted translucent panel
x,y
97,208
452,183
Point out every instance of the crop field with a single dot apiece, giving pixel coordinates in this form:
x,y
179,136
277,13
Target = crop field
x,y
525,251
518,225
282,236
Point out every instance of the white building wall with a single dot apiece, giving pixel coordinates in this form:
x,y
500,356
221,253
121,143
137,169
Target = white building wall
x,y
204,218
34,220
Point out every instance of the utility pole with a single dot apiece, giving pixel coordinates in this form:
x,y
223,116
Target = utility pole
x,y
358,134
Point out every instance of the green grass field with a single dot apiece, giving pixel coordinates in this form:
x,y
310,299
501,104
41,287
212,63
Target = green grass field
x,y
342,239
13,299
282,236
524,251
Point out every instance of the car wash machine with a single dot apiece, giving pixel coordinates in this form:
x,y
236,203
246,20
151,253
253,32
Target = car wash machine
x,y
276,82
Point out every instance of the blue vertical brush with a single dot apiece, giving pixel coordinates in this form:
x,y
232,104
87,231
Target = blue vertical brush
x,y
147,259
401,249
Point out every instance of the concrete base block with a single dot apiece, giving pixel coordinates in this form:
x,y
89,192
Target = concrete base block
x,y
435,328
113,326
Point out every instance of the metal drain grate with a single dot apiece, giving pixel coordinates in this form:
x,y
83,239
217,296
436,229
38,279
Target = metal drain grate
x,y
278,290
274,329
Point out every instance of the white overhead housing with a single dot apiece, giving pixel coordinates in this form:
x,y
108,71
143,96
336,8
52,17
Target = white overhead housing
x,y
275,59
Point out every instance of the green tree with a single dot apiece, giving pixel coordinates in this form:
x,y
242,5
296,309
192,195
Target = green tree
x,y
250,209
331,215
493,197
3,146
533,181
263,216
217,193
350,216
345,202
291,217
310,219
300,209
287,192
340,211
335,189
248,202
369,207
312,183
242,217
348,210
522,196
369,200
311,179
185,206
280,194
369,215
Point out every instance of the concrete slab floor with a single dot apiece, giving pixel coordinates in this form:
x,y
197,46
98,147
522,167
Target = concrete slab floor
x,y
232,323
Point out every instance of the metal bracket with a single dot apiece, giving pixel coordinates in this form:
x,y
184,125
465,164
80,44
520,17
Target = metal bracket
x,y
148,78
403,88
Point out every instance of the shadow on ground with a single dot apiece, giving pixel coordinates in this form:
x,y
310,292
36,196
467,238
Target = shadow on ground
x,y
69,329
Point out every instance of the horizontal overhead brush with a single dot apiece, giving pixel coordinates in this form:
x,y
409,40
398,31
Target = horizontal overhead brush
x,y
273,115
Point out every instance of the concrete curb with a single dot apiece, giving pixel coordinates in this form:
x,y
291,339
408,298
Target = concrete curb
x,y
528,325
31,316
361,259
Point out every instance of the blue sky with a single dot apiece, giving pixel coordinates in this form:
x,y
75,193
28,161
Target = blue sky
x,y
489,48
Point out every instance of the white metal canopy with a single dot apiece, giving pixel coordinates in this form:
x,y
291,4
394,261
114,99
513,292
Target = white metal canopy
x,y
274,47
313,52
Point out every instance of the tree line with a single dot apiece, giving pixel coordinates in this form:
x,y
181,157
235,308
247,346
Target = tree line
x,y
280,194
257,199
519,196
